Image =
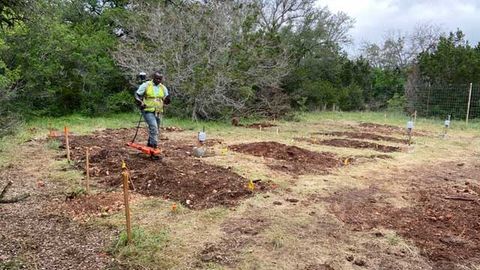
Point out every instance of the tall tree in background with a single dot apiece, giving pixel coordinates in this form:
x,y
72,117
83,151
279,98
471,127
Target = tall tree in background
x,y
216,55
63,55
400,49
316,58
438,86
11,13
393,59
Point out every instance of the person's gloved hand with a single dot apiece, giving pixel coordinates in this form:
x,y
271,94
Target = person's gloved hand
x,y
142,105
166,100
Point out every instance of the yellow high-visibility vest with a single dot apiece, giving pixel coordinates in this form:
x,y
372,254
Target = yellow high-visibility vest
x,y
154,102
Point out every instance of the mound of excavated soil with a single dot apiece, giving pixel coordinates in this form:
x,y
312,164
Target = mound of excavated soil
x,y
389,129
85,206
363,136
294,160
179,176
260,125
354,144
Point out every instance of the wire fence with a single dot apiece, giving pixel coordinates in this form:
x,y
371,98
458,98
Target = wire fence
x,y
443,100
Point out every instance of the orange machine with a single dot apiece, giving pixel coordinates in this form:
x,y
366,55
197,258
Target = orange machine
x,y
145,149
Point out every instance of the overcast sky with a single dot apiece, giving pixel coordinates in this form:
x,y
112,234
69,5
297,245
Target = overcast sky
x,y
375,17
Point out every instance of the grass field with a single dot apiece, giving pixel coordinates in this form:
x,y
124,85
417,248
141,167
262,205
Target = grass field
x,y
379,203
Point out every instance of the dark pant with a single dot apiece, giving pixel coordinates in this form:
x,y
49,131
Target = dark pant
x,y
153,121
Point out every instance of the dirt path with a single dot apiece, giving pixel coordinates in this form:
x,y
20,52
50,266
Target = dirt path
x,y
33,236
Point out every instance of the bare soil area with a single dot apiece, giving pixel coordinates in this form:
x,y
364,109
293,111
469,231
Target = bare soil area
x,y
363,136
432,207
353,144
35,236
260,125
294,160
240,233
388,129
178,176
83,207
443,221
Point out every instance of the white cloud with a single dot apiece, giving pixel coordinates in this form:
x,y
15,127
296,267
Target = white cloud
x,y
375,17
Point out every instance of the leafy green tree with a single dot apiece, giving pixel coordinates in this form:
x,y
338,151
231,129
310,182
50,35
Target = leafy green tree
x,y
215,55
65,65
454,61
315,81
13,11
440,86
8,87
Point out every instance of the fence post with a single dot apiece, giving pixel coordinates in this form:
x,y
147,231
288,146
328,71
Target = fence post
x,y
468,104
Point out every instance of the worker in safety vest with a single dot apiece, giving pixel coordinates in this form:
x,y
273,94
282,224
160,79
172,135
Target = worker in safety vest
x,y
151,96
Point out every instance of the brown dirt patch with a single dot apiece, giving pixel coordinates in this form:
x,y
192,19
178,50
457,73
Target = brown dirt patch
x,y
382,127
172,129
444,221
179,176
389,129
35,237
95,205
353,144
260,125
239,233
363,135
292,159
355,160
319,267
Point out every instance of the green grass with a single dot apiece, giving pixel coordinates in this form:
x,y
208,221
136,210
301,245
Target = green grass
x,y
53,144
12,264
393,239
390,118
145,250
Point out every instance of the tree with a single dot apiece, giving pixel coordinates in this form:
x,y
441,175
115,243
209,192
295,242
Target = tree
x,y
453,61
438,83
275,14
214,55
8,88
316,60
401,49
12,11
66,63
